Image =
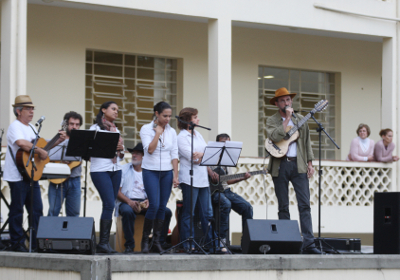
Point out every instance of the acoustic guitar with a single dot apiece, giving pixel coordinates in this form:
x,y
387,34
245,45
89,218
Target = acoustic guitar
x,y
280,148
224,178
71,165
22,157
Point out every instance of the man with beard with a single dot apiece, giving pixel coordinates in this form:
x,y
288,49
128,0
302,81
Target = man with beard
x,y
132,199
71,190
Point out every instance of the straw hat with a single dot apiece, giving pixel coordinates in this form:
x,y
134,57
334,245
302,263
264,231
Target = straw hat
x,y
23,101
281,92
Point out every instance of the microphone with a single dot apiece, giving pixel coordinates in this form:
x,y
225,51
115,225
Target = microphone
x,y
284,110
42,118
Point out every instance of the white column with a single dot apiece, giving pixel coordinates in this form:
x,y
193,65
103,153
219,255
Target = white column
x,y
389,88
13,56
389,99
220,76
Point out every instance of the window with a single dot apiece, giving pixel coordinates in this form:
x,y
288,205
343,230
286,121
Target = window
x,y
311,87
135,82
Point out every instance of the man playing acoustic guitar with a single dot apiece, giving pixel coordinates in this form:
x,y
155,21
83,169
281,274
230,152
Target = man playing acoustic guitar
x,y
295,166
19,136
71,190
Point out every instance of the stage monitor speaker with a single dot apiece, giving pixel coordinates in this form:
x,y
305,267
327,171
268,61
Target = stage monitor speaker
x,y
66,235
271,237
387,223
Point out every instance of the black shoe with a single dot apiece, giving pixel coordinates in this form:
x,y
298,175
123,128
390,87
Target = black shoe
x,y
147,226
104,245
128,250
158,227
20,248
312,250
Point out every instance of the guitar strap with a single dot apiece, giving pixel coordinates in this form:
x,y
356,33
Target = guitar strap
x,y
21,170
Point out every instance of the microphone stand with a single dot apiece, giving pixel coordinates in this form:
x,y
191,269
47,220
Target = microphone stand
x,y
1,194
190,239
32,159
319,241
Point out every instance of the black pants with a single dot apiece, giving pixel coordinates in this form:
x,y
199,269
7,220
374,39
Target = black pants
x,y
288,172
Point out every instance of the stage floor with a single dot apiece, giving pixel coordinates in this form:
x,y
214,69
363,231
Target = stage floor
x,y
183,266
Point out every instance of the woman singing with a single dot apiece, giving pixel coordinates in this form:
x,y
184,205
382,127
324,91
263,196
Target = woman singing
x,y
106,174
201,190
160,158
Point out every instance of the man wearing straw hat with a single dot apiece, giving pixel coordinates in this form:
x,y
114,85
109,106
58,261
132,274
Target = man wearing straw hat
x,y
19,136
295,166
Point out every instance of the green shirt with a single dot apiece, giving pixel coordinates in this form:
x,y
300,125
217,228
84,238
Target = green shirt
x,y
276,133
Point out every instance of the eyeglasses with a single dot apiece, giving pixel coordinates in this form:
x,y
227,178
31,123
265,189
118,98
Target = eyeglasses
x,y
28,108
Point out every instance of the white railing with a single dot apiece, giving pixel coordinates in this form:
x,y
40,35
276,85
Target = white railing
x,y
343,184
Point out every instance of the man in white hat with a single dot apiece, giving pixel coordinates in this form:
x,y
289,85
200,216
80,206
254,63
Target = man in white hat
x,y
295,166
19,136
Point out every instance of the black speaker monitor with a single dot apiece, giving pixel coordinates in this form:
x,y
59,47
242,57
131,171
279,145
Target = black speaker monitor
x,y
271,237
387,223
66,235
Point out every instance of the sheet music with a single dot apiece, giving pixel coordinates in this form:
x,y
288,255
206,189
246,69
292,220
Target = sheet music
x,y
212,153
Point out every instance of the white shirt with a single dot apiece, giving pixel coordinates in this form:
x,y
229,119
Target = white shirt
x,y
131,185
16,131
103,164
292,150
165,152
200,175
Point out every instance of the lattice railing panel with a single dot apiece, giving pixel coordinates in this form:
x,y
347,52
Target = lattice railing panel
x,y
343,184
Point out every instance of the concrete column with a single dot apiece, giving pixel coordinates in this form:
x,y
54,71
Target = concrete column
x,y
220,76
388,83
13,56
389,90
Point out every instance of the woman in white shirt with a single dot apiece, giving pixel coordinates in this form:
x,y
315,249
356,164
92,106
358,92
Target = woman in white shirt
x,y
160,158
201,189
106,174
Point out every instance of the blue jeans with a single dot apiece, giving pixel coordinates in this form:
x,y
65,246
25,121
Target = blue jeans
x,y
71,194
288,172
107,184
206,211
158,186
128,224
231,200
20,196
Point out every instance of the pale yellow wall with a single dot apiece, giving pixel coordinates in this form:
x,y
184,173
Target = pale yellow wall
x,y
359,63
58,38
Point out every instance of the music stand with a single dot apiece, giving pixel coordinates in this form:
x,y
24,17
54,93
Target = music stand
x,y
221,154
58,153
92,143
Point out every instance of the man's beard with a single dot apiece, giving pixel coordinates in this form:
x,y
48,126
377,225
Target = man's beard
x,y
136,162
69,132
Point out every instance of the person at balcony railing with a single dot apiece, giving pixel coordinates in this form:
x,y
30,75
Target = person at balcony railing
x,y
362,147
160,159
106,174
384,148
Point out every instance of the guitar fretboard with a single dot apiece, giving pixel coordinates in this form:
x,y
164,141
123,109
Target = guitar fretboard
x,y
240,175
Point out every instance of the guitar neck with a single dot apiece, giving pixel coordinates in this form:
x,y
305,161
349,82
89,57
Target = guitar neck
x,y
51,143
299,124
240,175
